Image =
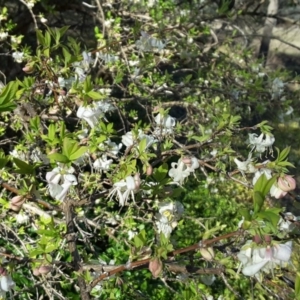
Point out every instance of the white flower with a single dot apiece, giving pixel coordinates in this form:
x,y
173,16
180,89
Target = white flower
x,y
277,88
106,106
129,140
111,147
264,259
38,156
59,182
108,58
131,234
179,171
169,214
30,4
147,43
277,192
91,114
125,188
258,173
261,143
22,218
102,164
286,224
18,154
6,283
104,91
82,67
3,35
43,20
245,166
18,56
165,124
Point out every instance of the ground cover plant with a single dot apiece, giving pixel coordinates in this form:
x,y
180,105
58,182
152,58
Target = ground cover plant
x,y
142,164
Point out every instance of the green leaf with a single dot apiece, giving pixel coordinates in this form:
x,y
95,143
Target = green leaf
x,y
297,286
78,153
94,95
263,185
72,150
258,200
142,145
201,139
7,95
161,172
58,157
139,240
47,39
270,216
245,213
24,168
3,162
40,37
283,154
63,30
66,55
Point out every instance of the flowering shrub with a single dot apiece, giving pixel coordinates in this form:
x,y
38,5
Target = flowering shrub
x,y
108,181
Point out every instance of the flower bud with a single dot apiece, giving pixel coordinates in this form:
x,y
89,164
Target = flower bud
x,y
257,239
187,161
36,272
137,181
45,269
268,239
286,183
28,69
149,170
16,203
2,272
207,253
155,267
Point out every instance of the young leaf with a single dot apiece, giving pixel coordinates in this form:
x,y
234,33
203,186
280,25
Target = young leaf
x,y
58,157
258,201
24,168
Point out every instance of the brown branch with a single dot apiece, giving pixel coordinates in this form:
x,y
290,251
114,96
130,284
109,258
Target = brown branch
x,y
31,197
71,239
145,262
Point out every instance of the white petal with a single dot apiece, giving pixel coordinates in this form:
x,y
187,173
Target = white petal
x,y
130,183
283,251
252,269
6,283
55,189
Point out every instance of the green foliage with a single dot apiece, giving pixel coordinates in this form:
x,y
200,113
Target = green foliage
x,y
130,153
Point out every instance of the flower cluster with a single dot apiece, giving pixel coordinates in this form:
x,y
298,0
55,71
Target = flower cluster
x,y
261,143
59,181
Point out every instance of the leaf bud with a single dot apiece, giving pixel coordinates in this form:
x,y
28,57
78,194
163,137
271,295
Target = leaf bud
x,y
207,253
155,267
45,269
149,170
